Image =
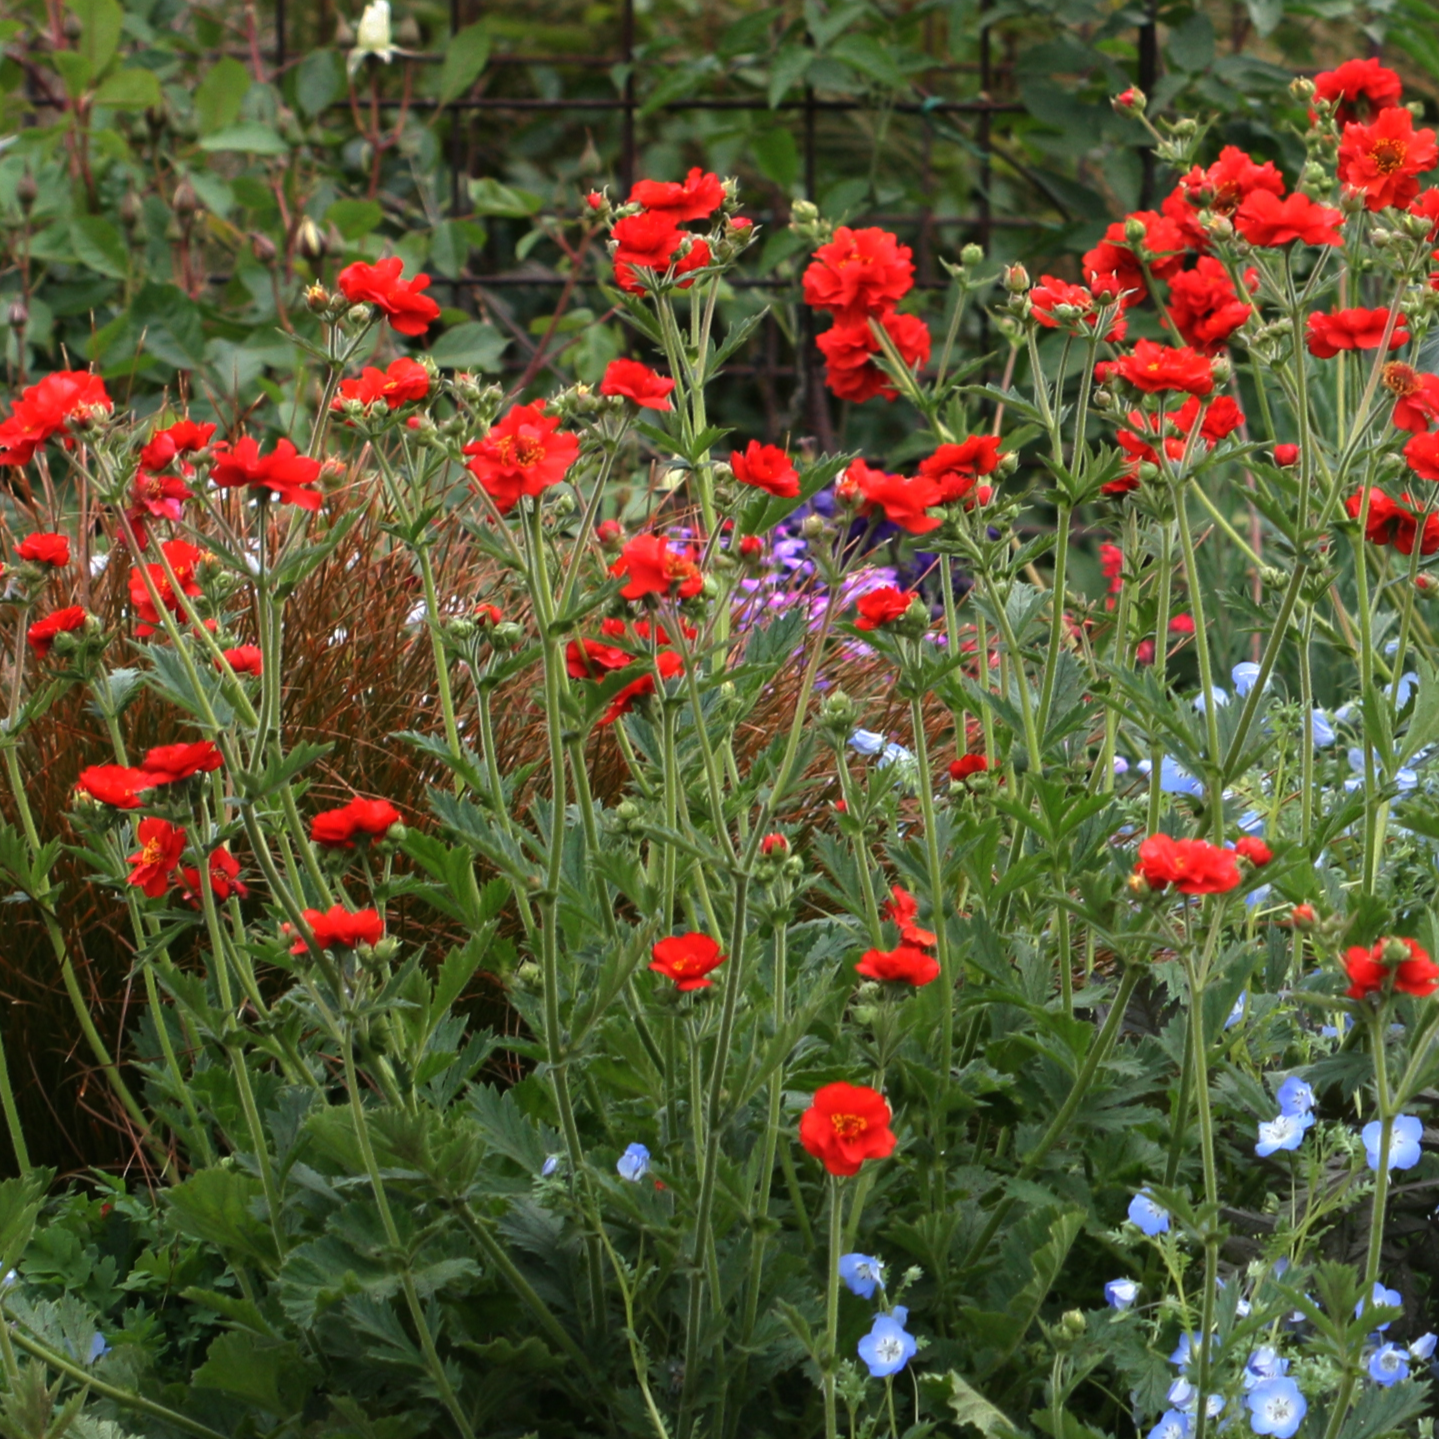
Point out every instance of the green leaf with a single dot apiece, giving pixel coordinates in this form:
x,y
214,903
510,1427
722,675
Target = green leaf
x,y
450,244
788,68
969,1406
269,1375
489,197
1191,45
865,54
1266,15
171,325
20,1201
219,1206
74,70
220,94
474,345
100,22
100,246
130,89
249,138
318,81
355,218
776,155
466,55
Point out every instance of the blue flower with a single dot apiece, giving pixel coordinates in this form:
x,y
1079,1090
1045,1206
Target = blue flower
x,y
1237,1013
1276,1407
1173,1424
1150,1218
552,1163
1121,765
1389,1298
1173,778
1296,1096
1221,698
1388,1365
98,1348
888,1347
1121,1293
1329,1031
1244,676
1404,1137
1423,1347
865,741
634,1163
1404,689
1323,732
1284,1131
1265,1363
862,1274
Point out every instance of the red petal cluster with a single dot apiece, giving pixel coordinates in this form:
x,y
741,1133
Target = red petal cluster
x,y
767,468
859,273
1396,522
903,499
1192,866
523,454
1114,265
653,240
1163,369
882,607
1050,292
284,472
1205,307
653,566
224,874
633,381
362,819
45,549
183,558
161,845
340,928
41,635
957,469
171,763
845,1125
1385,158
44,409
687,959
1266,220
402,302
1358,329
849,351
1369,971
403,382
1358,89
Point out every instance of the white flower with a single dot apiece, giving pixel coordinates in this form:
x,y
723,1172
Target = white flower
x,y
372,36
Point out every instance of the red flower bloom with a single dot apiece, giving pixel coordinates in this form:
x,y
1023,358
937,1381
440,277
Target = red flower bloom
x,y
1050,292
1383,159
903,909
1426,204
956,468
340,928
161,845
849,352
184,437
523,454
161,497
1221,188
1391,522
637,382
857,274
43,410
1217,420
1114,263
1204,306
1182,625
650,241
882,607
45,549
401,301
590,659
1192,866
845,1125
1416,396
284,472
902,965
116,785
224,878
1158,369
1369,970
1286,455
1422,454
405,381
1254,850
654,567
966,765
669,665
363,818
183,558
686,959
904,500
767,468
696,198
1325,335
245,660
171,763
41,635
1264,219
1358,89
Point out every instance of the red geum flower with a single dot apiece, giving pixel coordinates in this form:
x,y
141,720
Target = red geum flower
x,y
669,665
1358,329
1370,969
41,635
1050,292
633,381
115,784
161,845
365,819
245,660
1114,264
1391,522
340,928
751,548
161,497
882,607
966,765
1358,89
957,468
1385,158
903,499
183,558
1182,625
403,382
1286,455
687,959
1204,306
1266,220
656,567
1426,204
1159,369
44,409
591,659
1217,420
1416,396
1422,456
1254,850
1192,866
224,878
849,351
858,273
524,454
284,472
697,197
774,846
902,908
1221,188
902,965
184,437
171,763
766,467
45,549
402,302
845,1125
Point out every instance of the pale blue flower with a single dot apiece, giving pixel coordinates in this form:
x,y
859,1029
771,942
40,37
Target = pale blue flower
x,y
1121,765
1221,698
1121,1293
862,1274
634,1163
1237,1013
1148,1215
1276,1407
1389,1298
1423,1347
866,742
1182,1395
1404,689
1346,1023
1173,777
1296,1096
1404,1137
1322,731
1284,1131
1388,1365
1244,675
552,1163
1265,1363
1250,822
1405,779
895,753
888,1347
1173,1424
98,1348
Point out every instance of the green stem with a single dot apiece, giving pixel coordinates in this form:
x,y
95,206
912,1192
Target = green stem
x,y
1161,664
831,1312
1214,788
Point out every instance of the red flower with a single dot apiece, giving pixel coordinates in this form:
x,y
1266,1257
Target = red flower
x,y
903,909
1254,850
956,468
767,468
1384,158
654,567
161,845
1325,335
162,497
401,301
1286,455
1369,969
283,472
1221,188
1358,89
1204,306
590,659
904,500
184,437
857,274
116,785
43,410
1114,263
669,665
1426,204
1416,396
1050,292
224,878
171,763
1391,522
340,928
1192,866
882,607
1264,219
903,965
1158,369
1182,625
41,635
697,198
45,549
774,846
1422,454
845,1125
523,454
1217,420
183,558
686,959
366,818
637,382
245,660
966,765
850,371
404,382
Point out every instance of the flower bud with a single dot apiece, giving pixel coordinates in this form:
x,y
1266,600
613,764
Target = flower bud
x,y
1351,201
185,201
1427,584
812,527
1135,230
1286,455
1016,279
507,636
1395,951
1221,367
1130,102
1138,886
971,255
309,242
1302,87
19,316
774,846
611,536
804,212
1303,918
1072,1322
1185,128
262,247
26,191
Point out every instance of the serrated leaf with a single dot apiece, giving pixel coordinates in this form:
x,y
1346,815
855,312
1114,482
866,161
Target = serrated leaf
x,y
267,1374
467,52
